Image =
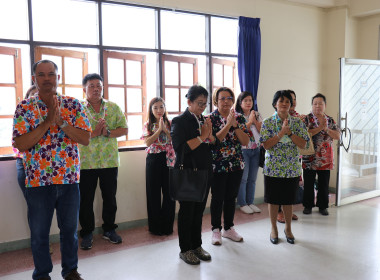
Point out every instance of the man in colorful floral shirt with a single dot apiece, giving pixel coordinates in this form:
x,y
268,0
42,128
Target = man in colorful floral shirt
x,y
100,161
47,128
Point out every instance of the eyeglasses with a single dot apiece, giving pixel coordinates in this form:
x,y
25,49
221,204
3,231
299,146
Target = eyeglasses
x,y
201,104
229,98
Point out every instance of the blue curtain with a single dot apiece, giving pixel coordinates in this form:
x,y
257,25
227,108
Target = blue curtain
x,y
249,54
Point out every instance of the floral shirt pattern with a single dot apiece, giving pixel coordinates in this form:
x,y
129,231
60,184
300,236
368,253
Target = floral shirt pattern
x,y
228,156
55,158
323,159
102,152
161,144
282,160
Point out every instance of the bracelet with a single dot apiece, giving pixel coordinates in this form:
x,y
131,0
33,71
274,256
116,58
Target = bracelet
x,y
290,135
200,140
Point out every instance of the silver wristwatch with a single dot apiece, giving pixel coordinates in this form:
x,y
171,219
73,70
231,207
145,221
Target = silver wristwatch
x,y
64,124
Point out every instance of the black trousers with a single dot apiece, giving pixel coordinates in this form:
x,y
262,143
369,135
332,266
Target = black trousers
x,y
108,185
190,216
224,191
160,215
323,188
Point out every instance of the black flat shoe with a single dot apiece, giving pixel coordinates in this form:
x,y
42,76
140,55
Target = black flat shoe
x,y
273,240
324,212
288,239
307,211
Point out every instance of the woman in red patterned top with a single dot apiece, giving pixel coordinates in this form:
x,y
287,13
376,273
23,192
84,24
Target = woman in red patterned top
x,y
160,155
323,130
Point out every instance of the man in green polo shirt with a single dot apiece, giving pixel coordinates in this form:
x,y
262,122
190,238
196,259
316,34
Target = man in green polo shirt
x,y
100,161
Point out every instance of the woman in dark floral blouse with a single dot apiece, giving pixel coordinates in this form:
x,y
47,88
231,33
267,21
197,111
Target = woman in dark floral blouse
x,y
227,163
323,130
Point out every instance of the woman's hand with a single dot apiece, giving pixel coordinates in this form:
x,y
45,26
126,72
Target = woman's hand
x,y
322,122
285,129
206,129
231,119
161,125
252,117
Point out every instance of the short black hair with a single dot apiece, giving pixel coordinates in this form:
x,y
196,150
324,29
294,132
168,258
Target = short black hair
x,y
90,77
318,95
195,91
239,100
281,94
34,67
292,91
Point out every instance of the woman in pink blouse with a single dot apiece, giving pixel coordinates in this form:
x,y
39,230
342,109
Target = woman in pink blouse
x,y
160,155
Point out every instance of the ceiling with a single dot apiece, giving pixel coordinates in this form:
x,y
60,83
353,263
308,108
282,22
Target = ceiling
x,y
321,3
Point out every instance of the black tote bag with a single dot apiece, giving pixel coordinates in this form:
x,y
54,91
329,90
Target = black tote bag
x,y
188,184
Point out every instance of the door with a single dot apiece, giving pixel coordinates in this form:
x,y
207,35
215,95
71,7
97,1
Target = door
x,y
358,161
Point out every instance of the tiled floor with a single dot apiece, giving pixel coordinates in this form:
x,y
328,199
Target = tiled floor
x,y
344,245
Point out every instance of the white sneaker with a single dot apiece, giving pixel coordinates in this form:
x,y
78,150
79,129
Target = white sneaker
x,y
216,237
246,209
254,208
233,235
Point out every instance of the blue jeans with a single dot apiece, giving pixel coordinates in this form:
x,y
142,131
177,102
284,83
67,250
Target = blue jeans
x,y
41,204
21,175
246,193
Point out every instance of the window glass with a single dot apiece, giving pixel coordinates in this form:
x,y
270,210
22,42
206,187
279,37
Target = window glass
x,y
171,73
67,21
134,127
134,100
128,26
73,70
228,76
14,19
224,35
218,74
172,99
181,31
117,95
115,71
7,69
183,99
6,132
74,92
8,100
133,72
186,74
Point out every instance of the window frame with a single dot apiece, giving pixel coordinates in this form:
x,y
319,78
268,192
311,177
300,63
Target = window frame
x,y
16,53
127,57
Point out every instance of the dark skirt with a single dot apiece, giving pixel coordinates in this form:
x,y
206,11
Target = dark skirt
x,y
280,191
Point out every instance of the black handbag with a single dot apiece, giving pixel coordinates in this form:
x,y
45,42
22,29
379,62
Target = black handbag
x,y
188,184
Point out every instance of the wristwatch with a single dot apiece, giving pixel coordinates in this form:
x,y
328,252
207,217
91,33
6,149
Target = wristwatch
x,y
108,133
64,124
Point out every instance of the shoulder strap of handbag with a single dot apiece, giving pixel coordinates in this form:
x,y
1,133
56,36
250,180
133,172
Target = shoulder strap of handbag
x,y
183,158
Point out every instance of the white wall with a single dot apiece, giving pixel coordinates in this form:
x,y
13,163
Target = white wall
x,y
300,50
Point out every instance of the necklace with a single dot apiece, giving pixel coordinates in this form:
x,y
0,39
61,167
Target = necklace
x,y
103,109
35,104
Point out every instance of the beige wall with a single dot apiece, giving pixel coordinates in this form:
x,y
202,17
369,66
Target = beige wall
x,y
300,50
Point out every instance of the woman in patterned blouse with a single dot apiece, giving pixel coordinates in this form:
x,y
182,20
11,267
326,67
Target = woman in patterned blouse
x,y
228,163
281,134
160,155
323,130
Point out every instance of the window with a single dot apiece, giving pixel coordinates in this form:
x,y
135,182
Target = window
x,y
125,84
10,93
223,73
141,51
128,26
72,67
69,21
179,74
